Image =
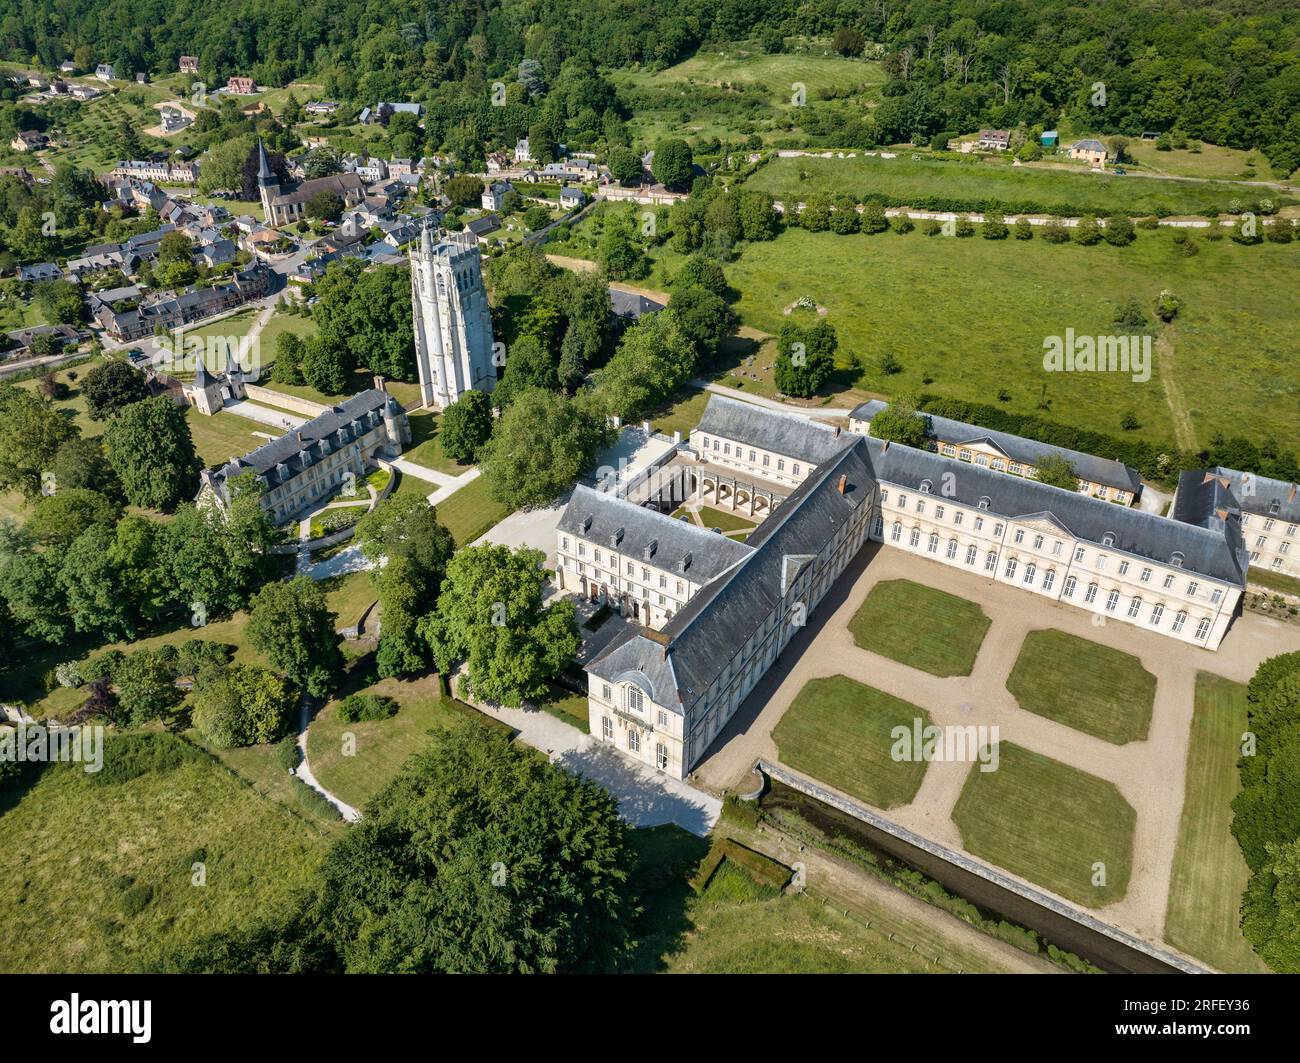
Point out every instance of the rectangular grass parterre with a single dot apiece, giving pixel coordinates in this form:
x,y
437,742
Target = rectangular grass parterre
x,y
838,731
1093,688
920,626
1056,826
1209,871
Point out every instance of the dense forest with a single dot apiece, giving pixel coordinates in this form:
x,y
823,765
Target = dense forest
x,y
1223,71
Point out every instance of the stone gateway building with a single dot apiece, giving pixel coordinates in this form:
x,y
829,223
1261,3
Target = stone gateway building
x,y
715,614
312,461
453,323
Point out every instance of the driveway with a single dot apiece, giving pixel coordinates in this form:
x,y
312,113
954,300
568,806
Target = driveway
x,y
1150,774
645,798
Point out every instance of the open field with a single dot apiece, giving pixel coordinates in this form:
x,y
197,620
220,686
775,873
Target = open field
x,y
1052,824
1093,688
1209,871
969,184
1211,162
99,873
381,746
967,319
921,627
838,730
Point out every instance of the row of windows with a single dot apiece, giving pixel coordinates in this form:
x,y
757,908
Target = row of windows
x,y
753,455
634,742
1030,577
1039,542
1269,522
631,568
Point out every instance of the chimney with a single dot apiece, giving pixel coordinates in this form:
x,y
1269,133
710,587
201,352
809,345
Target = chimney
x,y
379,382
844,480
1291,495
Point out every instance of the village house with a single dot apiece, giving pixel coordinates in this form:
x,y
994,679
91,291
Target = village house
x,y
29,140
322,108
994,139
105,72
1090,151
382,111
189,64
494,196
241,86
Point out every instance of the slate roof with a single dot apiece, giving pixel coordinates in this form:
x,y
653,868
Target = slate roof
x,y
682,661
631,304
679,545
292,449
1260,494
1089,467
781,433
1088,145
1215,550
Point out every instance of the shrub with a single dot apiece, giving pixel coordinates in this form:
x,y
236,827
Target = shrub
x,y
902,224
314,802
1055,233
931,227
358,707
288,755
1149,222
343,517
68,674
964,227
994,227
1087,232
1023,230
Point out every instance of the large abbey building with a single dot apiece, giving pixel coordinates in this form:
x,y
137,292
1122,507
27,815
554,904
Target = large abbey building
x,y
453,324
712,615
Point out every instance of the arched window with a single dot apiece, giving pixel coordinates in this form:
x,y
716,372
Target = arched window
x,y
1108,539
1177,559
925,487
635,699
985,502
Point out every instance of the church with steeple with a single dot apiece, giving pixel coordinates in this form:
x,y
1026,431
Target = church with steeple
x,y
453,323
282,205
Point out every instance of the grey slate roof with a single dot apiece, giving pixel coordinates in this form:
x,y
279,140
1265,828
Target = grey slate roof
x,y
1089,467
632,304
292,448
681,662
1215,550
781,433
1200,496
1262,494
676,541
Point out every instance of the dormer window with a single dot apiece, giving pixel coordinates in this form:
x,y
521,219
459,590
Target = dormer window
x,y
1177,559
1274,506
925,487
1108,539
985,502
635,700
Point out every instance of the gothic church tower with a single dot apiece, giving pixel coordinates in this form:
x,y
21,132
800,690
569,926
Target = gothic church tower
x,y
453,326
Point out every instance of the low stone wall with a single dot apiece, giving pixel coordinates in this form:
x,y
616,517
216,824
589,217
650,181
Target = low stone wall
x,y
286,402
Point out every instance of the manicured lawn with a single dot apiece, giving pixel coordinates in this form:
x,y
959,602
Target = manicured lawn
x,y
569,707
1083,684
1049,823
838,731
1209,872
719,518
381,746
426,445
257,766
971,315
225,435
921,627
470,511
968,184
74,846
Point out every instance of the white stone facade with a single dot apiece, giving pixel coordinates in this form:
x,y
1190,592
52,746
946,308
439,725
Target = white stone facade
x,y
453,324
